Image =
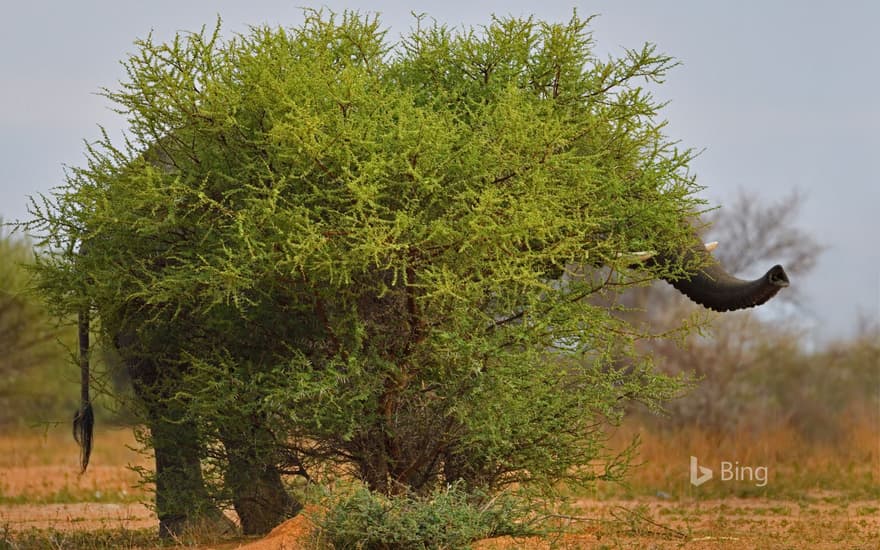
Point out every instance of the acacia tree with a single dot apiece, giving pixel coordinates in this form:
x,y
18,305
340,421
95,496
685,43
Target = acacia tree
x,y
318,250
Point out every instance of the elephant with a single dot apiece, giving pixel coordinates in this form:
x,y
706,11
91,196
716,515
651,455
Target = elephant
x,y
258,493
261,501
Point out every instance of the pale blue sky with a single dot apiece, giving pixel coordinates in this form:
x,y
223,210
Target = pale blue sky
x,y
781,95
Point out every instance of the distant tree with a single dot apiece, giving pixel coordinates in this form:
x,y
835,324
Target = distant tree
x,y
27,332
319,253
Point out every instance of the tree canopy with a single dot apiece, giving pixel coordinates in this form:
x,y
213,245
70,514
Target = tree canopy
x,y
379,249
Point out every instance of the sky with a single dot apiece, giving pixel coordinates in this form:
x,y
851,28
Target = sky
x,y
777,95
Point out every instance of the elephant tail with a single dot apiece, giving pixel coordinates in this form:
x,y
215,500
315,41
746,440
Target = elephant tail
x,y
84,419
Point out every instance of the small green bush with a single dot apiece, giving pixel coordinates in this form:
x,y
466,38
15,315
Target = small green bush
x,y
450,517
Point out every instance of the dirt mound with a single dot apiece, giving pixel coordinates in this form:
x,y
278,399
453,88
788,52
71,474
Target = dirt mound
x,y
290,535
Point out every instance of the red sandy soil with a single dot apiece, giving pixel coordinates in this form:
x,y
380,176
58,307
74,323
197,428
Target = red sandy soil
x,y
80,516
43,468
715,524
292,534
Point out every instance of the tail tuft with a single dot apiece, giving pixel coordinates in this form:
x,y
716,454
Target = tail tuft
x,y
83,427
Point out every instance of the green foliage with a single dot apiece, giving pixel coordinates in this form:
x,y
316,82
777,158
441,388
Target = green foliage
x,y
348,254
448,518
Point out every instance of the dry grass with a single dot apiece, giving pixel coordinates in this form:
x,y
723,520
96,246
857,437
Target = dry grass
x,y
847,466
42,466
46,503
731,523
819,495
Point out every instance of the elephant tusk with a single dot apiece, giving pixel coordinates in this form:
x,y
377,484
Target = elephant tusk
x,y
711,246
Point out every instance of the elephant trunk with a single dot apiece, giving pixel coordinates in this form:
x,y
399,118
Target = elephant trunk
x,y
713,287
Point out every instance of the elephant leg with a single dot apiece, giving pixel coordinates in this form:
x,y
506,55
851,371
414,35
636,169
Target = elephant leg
x,y
182,500
258,493
259,497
